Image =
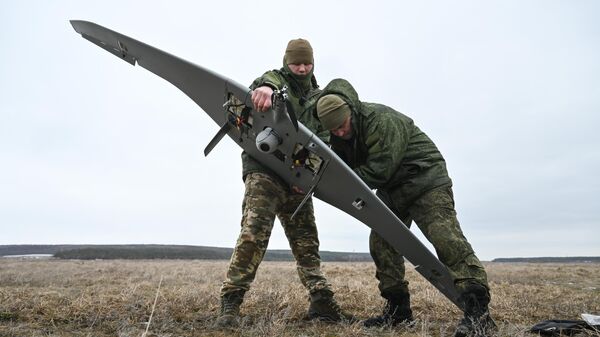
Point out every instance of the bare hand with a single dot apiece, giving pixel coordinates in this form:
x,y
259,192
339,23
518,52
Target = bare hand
x,y
297,189
261,98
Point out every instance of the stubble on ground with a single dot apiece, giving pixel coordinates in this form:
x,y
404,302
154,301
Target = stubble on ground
x,y
115,298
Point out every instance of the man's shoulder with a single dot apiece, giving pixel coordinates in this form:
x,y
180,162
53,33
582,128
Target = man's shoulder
x,y
370,108
375,113
372,112
275,72
274,78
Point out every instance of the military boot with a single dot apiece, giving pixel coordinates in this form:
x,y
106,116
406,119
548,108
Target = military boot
x,y
396,311
477,321
323,307
230,309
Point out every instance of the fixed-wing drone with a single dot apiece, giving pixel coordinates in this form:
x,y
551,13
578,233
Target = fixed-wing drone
x,y
277,140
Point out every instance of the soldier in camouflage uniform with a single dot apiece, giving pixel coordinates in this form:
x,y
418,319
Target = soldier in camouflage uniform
x,y
389,153
267,196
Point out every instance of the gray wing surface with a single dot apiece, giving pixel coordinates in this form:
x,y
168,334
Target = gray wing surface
x,y
300,158
202,85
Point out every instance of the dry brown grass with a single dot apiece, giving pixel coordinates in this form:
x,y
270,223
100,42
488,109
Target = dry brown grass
x,y
114,298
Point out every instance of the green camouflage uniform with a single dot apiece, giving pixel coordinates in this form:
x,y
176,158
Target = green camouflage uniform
x,y
267,196
391,154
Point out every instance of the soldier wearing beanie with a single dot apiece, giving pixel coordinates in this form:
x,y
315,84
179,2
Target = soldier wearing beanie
x,y
391,154
267,195
298,51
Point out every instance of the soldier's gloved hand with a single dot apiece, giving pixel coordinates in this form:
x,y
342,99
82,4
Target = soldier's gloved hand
x,y
261,98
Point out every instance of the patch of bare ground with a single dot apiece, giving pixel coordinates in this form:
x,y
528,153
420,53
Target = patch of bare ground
x,y
115,298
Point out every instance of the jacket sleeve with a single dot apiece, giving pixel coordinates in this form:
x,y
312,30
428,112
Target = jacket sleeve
x,y
271,79
386,140
324,136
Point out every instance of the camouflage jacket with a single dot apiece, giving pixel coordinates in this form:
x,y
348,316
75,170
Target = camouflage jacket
x,y
302,99
387,150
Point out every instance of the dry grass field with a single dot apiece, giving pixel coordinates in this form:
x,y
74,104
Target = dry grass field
x,y
115,298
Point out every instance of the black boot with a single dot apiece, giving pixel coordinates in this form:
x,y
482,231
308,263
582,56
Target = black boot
x,y
397,311
477,321
230,309
323,307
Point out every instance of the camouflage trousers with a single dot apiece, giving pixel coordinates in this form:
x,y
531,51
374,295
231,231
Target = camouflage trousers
x,y
265,197
435,216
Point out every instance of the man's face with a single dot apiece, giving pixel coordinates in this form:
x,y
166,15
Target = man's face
x,y
300,69
345,130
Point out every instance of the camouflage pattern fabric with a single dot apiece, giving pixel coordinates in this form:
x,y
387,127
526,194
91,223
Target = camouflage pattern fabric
x,y
265,197
435,216
391,154
388,151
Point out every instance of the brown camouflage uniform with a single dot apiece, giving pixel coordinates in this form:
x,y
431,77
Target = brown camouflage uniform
x,y
264,198
391,154
267,196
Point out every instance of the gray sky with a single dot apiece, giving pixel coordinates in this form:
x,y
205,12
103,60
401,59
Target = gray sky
x,y
93,150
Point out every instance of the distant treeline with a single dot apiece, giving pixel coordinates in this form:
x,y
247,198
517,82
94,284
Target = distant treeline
x,y
572,259
36,249
91,252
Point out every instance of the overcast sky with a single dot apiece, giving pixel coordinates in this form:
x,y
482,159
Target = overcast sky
x,y
93,150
